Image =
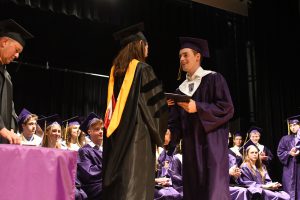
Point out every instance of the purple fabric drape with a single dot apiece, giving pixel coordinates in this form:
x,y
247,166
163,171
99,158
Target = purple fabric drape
x,y
36,173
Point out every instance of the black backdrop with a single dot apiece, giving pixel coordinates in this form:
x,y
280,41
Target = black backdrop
x,y
77,35
79,43
275,32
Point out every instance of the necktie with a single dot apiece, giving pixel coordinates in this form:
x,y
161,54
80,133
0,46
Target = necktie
x,y
191,87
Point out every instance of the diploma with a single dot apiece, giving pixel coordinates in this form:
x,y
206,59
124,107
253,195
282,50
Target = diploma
x,y
178,97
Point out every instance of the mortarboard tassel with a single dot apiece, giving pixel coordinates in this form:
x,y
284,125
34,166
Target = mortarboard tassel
x,y
288,127
246,140
180,146
65,132
179,73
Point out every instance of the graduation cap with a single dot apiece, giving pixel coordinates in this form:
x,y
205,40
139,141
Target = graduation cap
x,y
292,121
130,34
243,148
24,114
255,129
10,28
197,44
71,121
91,118
237,133
49,121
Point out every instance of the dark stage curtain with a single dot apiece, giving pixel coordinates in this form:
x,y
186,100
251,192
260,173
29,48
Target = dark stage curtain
x,y
89,46
275,32
227,35
46,92
83,9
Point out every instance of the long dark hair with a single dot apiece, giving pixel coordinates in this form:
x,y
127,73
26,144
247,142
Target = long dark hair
x,y
258,164
133,50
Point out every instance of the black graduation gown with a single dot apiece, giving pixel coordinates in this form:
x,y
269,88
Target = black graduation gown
x,y
7,112
239,159
129,153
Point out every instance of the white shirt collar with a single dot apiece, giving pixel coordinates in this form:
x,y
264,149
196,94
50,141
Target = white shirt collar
x,y
260,147
197,74
92,144
193,81
235,149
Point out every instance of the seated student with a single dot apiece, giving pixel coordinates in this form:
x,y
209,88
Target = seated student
x,y
89,165
52,133
71,134
169,174
167,140
256,177
266,155
237,142
27,123
236,191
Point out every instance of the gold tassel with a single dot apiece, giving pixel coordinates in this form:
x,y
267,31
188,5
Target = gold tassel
x,y
288,126
45,127
244,150
180,146
179,73
65,132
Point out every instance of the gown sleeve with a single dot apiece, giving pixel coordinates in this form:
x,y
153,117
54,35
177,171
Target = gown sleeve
x,y
220,109
153,105
283,152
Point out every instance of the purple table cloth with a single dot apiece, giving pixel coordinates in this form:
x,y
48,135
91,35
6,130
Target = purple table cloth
x,y
36,173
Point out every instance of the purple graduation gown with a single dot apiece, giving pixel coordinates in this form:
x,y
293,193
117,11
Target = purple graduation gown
x,y
236,192
254,182
89,171
174,172
79,193
205,140
291,167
